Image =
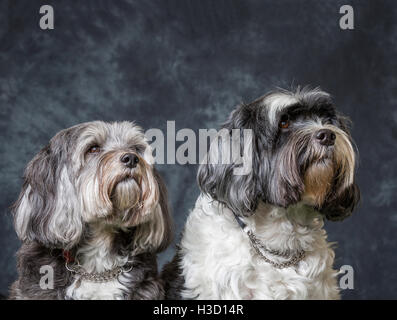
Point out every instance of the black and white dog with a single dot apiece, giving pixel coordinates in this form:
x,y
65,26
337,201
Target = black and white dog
x,y
260,235
93,212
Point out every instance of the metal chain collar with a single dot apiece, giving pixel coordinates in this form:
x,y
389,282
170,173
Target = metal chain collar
x,y
104,276
294,258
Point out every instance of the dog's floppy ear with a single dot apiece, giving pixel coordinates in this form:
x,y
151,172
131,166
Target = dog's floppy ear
x,y
155,235
344,122
46,208
222,176
340,206
341,203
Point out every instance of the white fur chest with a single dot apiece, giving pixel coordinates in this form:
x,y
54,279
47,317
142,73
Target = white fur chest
x,y
97,257
87,290
219,262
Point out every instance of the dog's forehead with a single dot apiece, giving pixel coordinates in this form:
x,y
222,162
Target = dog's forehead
x,y
124,132
274,103
118,133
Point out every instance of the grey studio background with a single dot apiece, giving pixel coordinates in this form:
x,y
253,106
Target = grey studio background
x,y
191,62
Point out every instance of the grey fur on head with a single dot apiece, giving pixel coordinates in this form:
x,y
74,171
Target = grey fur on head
x,y
92,190
288,164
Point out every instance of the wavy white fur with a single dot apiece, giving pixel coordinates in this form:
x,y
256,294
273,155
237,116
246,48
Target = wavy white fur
x,y
218,261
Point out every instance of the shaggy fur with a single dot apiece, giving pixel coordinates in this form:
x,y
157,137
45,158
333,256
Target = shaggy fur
x,y
93,193
298,177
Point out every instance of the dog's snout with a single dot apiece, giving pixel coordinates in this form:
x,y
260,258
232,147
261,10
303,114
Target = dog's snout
x,y
130,160
326,137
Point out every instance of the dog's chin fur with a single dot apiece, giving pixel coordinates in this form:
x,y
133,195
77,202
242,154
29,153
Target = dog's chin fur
x,y
126,196
318,182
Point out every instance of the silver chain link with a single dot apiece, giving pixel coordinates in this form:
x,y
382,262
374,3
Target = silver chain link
x,y
96,276
294,259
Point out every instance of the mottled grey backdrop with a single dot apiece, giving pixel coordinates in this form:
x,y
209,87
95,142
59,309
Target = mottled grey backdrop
x,y
192,62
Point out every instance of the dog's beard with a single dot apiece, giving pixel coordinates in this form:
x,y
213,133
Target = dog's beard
x,y
118,195
133,197
330,170
311,172
318,180
126,195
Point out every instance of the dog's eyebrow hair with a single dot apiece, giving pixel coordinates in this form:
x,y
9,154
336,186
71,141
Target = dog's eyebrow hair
x,y
296,107
326,106
300,107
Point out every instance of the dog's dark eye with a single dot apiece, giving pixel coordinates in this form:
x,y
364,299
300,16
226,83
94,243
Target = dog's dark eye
x,y
284,122
94,149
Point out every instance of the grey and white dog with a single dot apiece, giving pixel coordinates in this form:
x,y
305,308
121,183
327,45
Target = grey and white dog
x,y
260,235
93,211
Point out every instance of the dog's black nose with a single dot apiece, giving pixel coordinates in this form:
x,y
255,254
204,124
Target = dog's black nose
x,y
130,160
326,137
